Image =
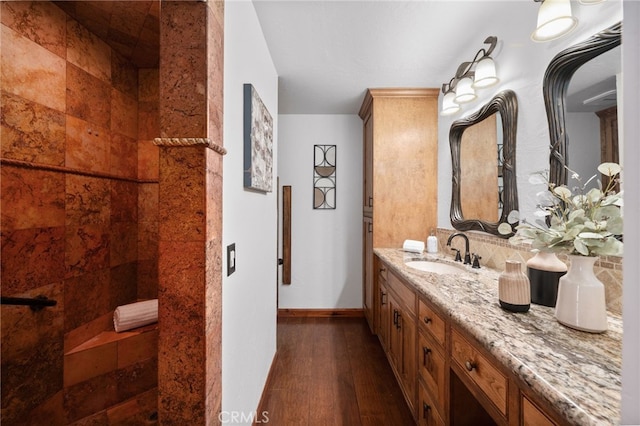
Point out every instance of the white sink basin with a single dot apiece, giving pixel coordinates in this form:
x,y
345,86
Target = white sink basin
x,y
436,267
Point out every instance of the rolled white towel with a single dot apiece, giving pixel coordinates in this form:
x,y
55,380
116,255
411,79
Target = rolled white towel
x,y
133,315
413,246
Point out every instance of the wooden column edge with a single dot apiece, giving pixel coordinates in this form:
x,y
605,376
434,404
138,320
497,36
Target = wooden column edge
x,y
286,235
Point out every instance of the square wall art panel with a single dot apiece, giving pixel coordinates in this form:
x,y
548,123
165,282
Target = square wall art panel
x,y
324,176
258,142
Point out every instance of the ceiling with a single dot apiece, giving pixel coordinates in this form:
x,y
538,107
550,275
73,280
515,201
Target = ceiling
x,y
327,53
131,28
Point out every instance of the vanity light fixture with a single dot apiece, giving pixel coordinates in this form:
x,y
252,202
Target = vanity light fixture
x,y
449,105
479,73
485,73
589,2
554,20
464,90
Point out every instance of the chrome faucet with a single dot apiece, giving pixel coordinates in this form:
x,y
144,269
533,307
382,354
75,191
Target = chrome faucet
x,y
467,255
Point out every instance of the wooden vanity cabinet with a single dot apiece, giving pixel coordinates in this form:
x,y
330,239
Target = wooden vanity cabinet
x,y
369,289
480,375
400,188
534,416
401,350
383,312
446,375
433,365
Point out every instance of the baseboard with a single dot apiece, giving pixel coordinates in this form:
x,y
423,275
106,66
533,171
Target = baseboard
x,y
321,313
267,385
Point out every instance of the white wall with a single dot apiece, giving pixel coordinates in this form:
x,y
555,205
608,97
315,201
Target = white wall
x,y
326,248
249,221
583,150
521,64
631,134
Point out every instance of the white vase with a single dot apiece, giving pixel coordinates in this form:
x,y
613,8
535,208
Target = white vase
x,y
581,298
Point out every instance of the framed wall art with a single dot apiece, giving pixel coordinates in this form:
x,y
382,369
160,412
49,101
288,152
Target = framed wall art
x,y
258,142
324,176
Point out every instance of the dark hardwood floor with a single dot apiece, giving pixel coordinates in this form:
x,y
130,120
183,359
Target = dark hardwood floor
x,y
332,371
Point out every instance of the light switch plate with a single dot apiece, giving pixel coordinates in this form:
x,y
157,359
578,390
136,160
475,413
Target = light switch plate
x,y
231,259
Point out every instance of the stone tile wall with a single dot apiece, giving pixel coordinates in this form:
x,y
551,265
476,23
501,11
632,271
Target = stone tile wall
x,y
79,203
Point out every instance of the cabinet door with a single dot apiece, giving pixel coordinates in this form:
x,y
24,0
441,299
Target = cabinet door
x,y
408,355
384,320
395,336
532,415
367,263
432,368
367,196
427,413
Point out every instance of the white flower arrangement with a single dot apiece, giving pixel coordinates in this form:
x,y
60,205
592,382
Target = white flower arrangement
x,y
586,224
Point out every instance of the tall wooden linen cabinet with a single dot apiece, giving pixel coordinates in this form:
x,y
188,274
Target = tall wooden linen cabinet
x,y
400,188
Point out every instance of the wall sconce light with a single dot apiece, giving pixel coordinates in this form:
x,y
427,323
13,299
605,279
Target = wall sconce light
x,y
554,20
479,73
449,105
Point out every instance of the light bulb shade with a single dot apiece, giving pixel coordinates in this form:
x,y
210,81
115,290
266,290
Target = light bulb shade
x,y
449,105
554,20
485,73
464,91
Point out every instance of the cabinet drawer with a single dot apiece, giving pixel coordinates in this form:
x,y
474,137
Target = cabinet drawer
x,y
406,295
532,415
432,369
428,414
478,368
432,323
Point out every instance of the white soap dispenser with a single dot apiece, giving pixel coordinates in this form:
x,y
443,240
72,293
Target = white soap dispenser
x,y
432,243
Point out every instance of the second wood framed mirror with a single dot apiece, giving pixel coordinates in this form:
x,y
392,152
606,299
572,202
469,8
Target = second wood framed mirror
x,y
483,154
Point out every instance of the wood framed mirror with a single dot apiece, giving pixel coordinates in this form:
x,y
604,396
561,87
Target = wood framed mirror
x,y
483,155
556,82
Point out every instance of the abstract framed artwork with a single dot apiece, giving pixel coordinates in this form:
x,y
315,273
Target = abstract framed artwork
x,y
324,176
258,142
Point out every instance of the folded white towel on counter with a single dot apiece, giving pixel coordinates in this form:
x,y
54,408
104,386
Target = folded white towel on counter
x,y
127,317
413,246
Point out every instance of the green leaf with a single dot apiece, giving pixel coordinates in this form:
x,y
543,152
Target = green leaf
x,y
592,235
609,169
563,192
505,229
614,225
580,247
611,247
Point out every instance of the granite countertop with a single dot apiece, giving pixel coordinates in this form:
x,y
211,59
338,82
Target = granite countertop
x,y
578,373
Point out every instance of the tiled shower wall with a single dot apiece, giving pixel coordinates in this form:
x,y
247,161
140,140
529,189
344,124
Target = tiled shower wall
x,y
494,251
79,197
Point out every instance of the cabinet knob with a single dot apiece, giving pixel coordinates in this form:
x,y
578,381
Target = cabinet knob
x,y
470,365
425,410
427,320
425,353
383,298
